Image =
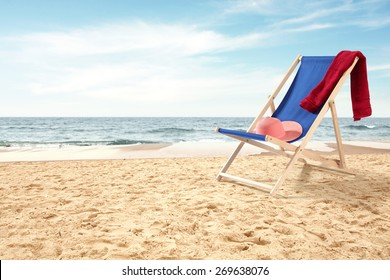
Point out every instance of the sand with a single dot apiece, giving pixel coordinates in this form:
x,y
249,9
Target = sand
x,y
173,208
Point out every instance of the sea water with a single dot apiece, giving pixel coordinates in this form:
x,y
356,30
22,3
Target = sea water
x,y
41,132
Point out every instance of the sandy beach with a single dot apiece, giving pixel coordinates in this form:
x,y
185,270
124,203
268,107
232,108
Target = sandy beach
x,y
163,202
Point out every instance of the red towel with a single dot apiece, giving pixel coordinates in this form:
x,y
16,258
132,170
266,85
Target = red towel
x,y
360,94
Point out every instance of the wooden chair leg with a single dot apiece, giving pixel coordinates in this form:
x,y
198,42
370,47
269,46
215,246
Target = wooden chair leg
x,y
230,160
336,127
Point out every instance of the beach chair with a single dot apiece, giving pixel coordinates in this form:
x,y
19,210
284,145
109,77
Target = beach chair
x,y
311,71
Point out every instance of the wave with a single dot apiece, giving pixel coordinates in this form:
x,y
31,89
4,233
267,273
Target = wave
x,y
361,127
366,127
130,142
24,128
171,130
85,143
5,144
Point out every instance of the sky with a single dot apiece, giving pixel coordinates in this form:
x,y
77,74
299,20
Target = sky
x,y
214,58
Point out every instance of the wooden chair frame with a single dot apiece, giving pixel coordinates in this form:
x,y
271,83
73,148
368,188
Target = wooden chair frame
x,y
295,153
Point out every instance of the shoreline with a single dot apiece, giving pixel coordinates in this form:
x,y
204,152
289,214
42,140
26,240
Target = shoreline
x,y
175,150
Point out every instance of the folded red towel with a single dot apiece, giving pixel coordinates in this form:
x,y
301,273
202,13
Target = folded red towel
x,y
360,94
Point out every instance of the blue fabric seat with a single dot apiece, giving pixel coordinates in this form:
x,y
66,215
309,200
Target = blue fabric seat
x,y
310,73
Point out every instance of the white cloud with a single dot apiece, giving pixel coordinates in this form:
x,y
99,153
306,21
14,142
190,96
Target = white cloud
x,y
134,62
383,69
311,27
379,67
133,37
296,15
250,6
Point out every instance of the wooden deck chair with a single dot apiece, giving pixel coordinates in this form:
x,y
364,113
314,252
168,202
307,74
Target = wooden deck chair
x,y
311,71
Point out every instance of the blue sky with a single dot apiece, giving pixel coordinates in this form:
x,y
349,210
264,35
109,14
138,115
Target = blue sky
x,y
177,58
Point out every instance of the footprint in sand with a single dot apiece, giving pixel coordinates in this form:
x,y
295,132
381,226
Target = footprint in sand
x,y
282,230
252,239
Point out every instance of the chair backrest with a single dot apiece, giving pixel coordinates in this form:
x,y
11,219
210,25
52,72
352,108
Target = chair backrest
x,y
311,71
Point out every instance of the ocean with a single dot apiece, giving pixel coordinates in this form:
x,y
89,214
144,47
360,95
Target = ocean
x,y
57,132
